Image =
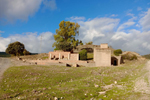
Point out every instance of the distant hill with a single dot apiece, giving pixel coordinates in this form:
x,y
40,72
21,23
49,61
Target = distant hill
x,y
147,56
4,54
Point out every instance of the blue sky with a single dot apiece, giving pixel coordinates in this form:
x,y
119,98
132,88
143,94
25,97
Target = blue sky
x,y
123,24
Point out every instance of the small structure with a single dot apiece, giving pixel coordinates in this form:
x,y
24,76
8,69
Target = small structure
x,y
61,55
103,56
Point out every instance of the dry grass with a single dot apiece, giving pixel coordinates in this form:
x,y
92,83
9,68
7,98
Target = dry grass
x,y
48,82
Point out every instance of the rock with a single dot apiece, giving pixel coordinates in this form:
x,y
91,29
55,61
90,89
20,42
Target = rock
x,y
24,60
75,65
105,96
106,87
102,92
55,98
44,88
96,86
19,58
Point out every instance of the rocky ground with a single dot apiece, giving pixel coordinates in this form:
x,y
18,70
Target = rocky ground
x,y
4,64
142,84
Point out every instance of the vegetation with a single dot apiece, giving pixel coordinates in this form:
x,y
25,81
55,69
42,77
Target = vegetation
x,y
83,55
89,56
129,57
47,82
89,43
16,49
4,54
25,52
147,56
65,36
117,52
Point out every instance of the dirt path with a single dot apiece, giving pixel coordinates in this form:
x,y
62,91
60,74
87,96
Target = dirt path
x,y
142,84
4,64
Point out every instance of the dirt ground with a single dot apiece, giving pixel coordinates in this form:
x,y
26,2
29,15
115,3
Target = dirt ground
x,y
8,62
4,64
142,84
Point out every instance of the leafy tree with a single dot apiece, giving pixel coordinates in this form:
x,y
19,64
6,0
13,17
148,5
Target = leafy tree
x,y
117,52
15,48
65,46
25,52
89,43
83,54
81,42
66,34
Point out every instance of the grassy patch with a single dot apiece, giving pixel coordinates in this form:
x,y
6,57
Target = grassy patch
x,y
44,82
89,56
45,57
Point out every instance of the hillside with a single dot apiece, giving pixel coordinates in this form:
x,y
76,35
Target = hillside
x,y
147,56
4,54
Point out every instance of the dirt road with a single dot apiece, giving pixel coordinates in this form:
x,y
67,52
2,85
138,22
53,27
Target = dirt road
x,y
4,64
142,84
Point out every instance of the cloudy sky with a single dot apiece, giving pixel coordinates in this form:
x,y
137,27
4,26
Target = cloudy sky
x,y
123,24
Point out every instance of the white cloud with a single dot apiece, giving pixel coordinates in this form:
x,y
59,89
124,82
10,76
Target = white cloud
x,y
145,21
75,18
129,23
11,10
50,4
32,41
91,30
104,30
125,25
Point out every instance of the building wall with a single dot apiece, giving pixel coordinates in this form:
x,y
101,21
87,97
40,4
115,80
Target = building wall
x,y
105,45
74,57
102,57
63,55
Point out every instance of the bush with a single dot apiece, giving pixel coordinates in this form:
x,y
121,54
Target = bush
x,y
129,57
117,52
25,52
89,43
83,54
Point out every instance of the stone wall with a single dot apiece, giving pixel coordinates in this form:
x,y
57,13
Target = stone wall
x,y
102,57
58,55
74,57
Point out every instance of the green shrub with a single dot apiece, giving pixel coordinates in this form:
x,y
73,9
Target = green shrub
x,y
25,52
83,54
56,49
117,52
129,57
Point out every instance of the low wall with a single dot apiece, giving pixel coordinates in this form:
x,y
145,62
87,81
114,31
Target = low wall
x,y
48,62
74,57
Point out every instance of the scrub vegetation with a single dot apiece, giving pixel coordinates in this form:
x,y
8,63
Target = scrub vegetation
x,y
69,83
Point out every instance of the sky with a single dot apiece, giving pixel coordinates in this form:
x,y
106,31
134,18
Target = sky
x,y
123,24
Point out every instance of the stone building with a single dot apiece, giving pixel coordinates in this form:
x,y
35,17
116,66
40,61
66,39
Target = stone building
x,y
103,56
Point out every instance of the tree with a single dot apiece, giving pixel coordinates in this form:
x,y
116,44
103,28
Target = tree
x,y
15,48
65,35
89,43
117,52
25,52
